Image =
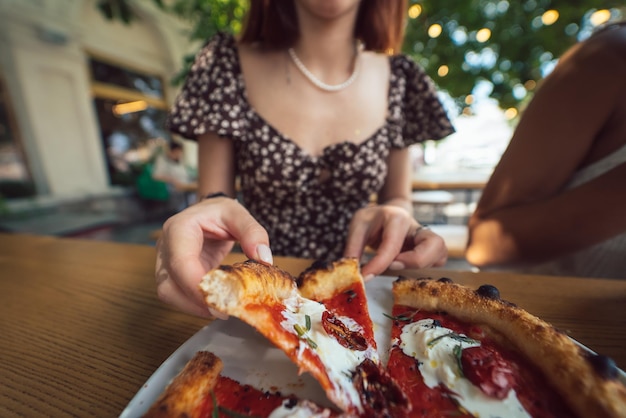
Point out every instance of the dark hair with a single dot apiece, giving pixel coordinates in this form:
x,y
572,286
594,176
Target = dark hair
x,y
274,23
175,145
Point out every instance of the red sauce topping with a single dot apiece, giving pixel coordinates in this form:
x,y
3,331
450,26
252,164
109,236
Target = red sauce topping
x,y
485,368
494,369
351,302
242,399
338,330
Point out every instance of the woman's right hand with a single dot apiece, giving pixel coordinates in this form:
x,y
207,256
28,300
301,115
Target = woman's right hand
x,y
195,241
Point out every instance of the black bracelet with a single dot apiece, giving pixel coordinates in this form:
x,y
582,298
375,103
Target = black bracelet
x,y
217,194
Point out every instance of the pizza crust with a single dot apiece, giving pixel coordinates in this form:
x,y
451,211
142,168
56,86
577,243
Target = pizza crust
x,y
564,364
230,289
188,389
323,281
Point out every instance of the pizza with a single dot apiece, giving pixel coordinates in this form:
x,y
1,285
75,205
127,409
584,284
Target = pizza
x,y
470,351
199,390
336,346
453,351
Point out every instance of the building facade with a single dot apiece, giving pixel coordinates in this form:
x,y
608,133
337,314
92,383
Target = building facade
x,y
83,97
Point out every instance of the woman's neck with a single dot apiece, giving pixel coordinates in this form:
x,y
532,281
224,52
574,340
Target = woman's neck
x,y
327,46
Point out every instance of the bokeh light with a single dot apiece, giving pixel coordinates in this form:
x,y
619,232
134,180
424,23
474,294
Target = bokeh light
x,y
435,30
549,17
599,17
414,11
483,35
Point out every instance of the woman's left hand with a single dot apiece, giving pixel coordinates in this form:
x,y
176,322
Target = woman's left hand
x,y
399,240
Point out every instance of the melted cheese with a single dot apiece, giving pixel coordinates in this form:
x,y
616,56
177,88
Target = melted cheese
x,y
340,362
438,364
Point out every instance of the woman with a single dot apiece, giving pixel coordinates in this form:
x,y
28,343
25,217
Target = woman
x,y
314,120
555,203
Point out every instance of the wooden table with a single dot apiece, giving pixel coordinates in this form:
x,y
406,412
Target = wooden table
x,y
82,328
427,178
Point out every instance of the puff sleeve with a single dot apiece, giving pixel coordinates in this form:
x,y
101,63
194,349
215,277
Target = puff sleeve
x,y
211,97
415,107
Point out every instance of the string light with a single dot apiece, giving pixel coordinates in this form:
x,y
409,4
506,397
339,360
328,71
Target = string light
x,y
599,17
510,113
414,11
435,30
549,17
483,35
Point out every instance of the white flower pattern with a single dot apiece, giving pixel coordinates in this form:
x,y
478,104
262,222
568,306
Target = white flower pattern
x,y
305,202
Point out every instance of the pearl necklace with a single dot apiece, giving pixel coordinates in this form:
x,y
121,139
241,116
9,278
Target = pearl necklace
x,y
320,84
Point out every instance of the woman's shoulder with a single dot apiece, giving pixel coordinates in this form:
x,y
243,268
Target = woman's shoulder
x,y
402,64
222,45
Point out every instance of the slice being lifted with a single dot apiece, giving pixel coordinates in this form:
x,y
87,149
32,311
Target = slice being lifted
x,y
456,350
334,343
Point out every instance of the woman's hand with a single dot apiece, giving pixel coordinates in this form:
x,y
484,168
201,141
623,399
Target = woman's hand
x,y
400,241
196,240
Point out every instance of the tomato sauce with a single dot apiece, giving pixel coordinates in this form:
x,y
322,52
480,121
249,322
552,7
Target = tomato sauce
x,y
232,396
494,369
351,302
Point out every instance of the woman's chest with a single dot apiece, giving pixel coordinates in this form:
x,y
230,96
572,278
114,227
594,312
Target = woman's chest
x,y
316,119
268,161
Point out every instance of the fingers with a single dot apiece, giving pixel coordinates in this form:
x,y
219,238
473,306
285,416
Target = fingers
x,y
403,243
393,235
428,250
195,241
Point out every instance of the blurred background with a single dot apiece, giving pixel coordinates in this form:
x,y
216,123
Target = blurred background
x,y
85,86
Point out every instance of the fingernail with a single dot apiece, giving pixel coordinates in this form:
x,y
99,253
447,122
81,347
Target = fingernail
x,y
368,277
396,265
265,254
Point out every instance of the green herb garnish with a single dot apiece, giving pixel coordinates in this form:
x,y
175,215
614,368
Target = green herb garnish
x,y
302,332
454,336
458,351
402,317
311,343
307,322
216,408
299,330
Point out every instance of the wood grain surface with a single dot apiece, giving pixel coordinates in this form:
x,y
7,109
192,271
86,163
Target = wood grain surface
x,y
82,328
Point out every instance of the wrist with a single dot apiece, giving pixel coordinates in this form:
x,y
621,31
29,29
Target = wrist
x,y
215,195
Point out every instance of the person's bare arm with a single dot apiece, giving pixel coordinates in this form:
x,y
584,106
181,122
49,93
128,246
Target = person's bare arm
x,y
397,188
522,214
216,165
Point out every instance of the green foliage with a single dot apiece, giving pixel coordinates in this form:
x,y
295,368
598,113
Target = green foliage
x,y
519,45
513,57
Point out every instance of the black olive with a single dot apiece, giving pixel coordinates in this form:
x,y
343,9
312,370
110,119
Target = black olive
x,y
445,280
488,291
604,366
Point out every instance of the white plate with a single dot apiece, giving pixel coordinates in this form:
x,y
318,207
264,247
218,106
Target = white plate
x,y
249,358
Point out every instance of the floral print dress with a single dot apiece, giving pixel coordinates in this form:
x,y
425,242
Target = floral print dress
x,y
305,202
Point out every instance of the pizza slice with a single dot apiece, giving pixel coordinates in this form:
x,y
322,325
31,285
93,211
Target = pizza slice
x,y
470,353
326,343
340,288
199,390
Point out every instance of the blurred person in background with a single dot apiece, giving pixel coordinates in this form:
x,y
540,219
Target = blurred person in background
x,y
170,168
556,202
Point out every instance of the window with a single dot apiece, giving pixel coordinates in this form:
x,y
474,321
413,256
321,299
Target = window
x,y
131,109
15,177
